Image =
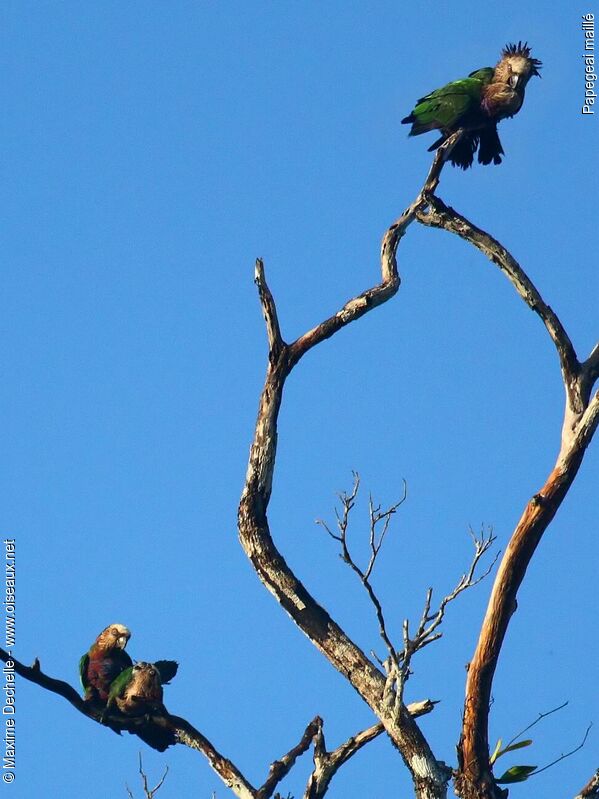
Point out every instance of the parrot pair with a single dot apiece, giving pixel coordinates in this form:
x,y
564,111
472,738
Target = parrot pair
x,y
111,680
476,104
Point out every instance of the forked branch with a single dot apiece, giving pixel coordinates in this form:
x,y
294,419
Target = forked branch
x,y
397,664
580,421
326,764
379,520
149,793
430,776
430,621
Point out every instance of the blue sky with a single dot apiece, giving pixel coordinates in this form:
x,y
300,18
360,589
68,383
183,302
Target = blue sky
x,y
151,152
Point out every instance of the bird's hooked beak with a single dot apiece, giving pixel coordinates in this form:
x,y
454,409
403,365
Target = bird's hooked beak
x,y
514,81
121,641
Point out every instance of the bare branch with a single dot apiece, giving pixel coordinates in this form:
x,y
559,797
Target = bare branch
x,y
326,764
429,623
591,365
581,417
280,768
377,516
376,539
148,792
566,755
474,747
429,775
269,309
540,717
437,214
182,731
591,789
357,307
588,423
426,632
441,156
580,422
397,666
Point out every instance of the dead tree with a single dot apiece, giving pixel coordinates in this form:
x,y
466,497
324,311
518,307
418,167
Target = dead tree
x,y
380,683
382,689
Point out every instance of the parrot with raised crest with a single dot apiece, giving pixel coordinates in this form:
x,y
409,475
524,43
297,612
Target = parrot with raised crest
x,y
476,104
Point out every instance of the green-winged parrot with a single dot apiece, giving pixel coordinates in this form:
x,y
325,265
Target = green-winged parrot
x,y
137,691
105,660
477,103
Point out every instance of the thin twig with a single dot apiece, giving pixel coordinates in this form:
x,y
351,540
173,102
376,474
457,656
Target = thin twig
x,y
563,757
376,516
536,721
280,768
148,792
427,631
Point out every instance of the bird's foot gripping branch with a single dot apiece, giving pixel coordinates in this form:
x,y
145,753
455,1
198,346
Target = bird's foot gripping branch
x,y
476,104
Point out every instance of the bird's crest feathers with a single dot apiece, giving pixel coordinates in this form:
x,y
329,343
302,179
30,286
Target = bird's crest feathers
x,y
476,105
522,50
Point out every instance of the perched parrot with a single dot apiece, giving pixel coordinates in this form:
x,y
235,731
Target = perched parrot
x,y
104,662
137,691
477,103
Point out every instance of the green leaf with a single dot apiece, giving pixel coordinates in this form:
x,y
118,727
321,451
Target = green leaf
x,y
519,745
496,752
516,774
499,752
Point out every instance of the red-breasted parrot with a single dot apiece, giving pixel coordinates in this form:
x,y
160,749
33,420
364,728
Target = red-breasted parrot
x,y
137,691
477,103
104,662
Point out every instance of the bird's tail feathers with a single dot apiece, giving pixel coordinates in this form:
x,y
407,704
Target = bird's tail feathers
x,y
156,737
490,146
462,153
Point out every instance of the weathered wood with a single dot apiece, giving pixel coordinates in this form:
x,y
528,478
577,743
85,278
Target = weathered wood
x,y
581,416
430,776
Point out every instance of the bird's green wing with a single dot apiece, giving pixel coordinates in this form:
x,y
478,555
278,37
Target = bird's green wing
x,y
118,685
485,75
444,106
167,670
83,670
